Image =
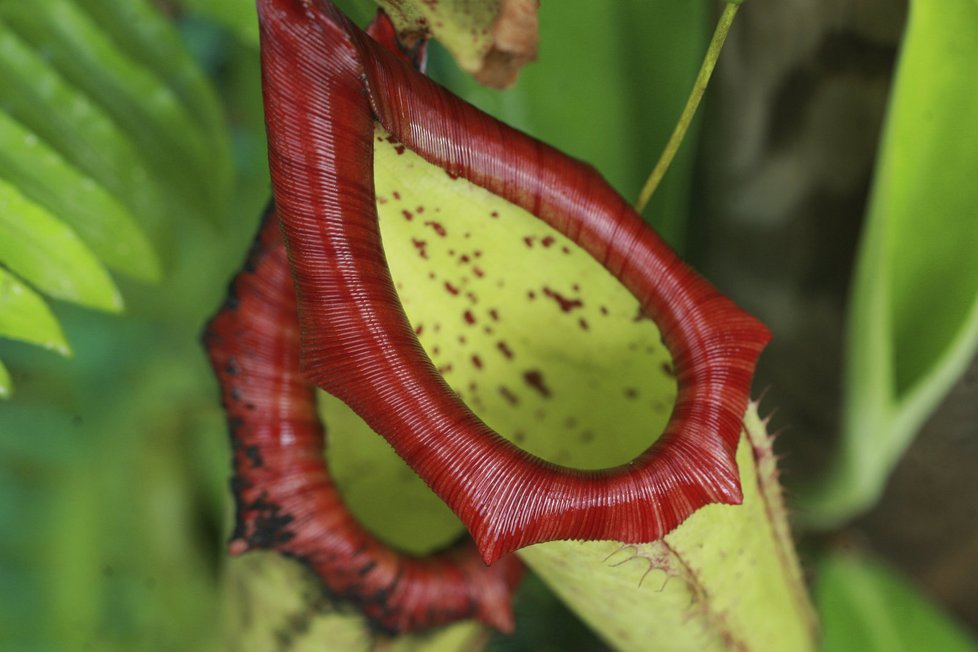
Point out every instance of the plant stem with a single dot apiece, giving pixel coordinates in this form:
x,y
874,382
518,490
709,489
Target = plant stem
x,y
692,103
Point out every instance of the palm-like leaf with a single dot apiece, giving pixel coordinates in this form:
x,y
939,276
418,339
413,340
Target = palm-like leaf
x,y
107,129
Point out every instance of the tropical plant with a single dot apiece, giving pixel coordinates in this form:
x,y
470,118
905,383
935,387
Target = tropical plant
x,y
132,175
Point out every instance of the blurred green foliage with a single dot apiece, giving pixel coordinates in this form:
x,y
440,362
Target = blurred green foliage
x,y
103,140
867,607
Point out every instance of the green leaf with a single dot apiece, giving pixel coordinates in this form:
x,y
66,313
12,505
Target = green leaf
x,y
145,35
105,120
143,105
865,607
913,323
80,130
24,316
6,385
239,16
48,254
40,174
148,38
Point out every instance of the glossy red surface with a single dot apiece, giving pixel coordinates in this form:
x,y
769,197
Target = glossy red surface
x,y
325,83
285,498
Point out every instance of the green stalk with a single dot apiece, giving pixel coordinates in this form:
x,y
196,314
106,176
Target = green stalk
x,y
692,103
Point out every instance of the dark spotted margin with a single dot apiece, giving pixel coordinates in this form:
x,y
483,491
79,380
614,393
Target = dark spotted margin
x,y
325,83
285,498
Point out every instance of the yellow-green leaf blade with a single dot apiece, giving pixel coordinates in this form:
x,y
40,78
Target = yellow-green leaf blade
x,y
24,316
40,174
925,193
70,122
148,38
145,36
913,323
143,106
50,255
